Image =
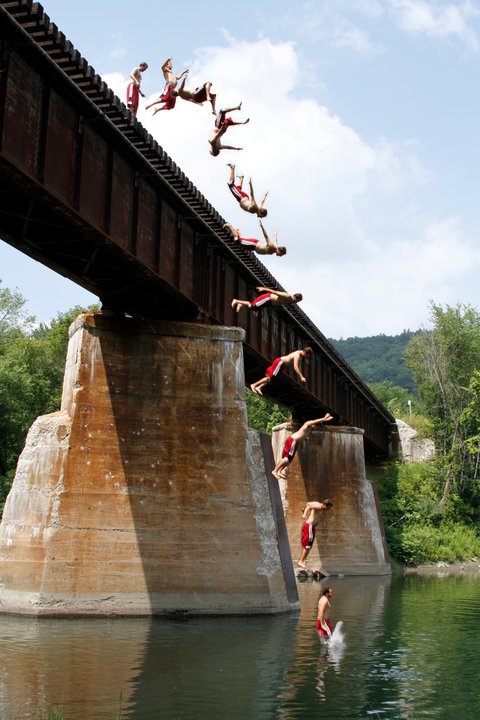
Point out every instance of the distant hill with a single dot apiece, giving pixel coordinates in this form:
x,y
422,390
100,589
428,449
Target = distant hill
x,y
379,357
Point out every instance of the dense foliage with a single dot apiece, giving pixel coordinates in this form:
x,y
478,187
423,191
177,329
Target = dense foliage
x,y
418,529
379,358
445,362
432,510
263,414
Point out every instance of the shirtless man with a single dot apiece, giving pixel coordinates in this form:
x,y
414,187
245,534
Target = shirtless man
x,y
198,96
291,444
247,203
168,98
222,123
293,359
133,88
276,298
324,627
269,247
310,517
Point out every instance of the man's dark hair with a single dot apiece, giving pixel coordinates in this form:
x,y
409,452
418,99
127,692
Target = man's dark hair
x,y
328,503
326,590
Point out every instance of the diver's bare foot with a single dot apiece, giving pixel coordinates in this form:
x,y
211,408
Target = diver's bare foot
x,y
302,565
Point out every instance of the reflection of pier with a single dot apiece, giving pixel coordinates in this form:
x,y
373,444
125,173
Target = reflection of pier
x,y
205,667
146,493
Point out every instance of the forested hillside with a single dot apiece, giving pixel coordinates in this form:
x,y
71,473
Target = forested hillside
x,y
379,358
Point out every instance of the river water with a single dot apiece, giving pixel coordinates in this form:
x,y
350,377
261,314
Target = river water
x,y
411,650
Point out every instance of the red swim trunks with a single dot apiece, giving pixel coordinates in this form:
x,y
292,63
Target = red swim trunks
x,y
256,304
249,243
308,535
276,367
133,96
167,98
321,630
237,192
289,449
222,121
200,94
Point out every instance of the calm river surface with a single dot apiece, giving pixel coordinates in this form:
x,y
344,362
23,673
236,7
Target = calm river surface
x,y
412,650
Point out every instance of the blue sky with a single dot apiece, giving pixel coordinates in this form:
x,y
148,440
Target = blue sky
x,y
364,128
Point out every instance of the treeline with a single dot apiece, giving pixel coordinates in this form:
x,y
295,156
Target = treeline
x,y
379,358
432,510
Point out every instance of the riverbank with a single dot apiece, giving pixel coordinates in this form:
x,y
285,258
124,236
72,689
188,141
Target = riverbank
x,y
465,567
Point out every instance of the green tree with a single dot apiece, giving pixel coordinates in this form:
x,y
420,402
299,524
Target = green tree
x,y
263,414
394,398
443,362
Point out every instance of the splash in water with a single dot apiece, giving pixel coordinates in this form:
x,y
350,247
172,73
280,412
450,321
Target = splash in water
x,y
337,638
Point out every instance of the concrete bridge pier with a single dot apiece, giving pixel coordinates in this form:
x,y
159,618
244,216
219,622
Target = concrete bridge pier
x,y
146,493
330,463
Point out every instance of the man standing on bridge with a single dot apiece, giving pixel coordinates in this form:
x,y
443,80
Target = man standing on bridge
x,y
247,203
222,123
276,298
293,359
269,247
133,88
291,444
311,517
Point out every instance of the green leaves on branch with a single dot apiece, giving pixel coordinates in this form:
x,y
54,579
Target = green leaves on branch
x,y
263,414
444,364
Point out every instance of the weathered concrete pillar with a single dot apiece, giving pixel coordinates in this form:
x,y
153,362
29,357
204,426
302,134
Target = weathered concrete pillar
x,y
145,494
330,463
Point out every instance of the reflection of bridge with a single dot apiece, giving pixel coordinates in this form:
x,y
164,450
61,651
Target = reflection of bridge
x,y
87,191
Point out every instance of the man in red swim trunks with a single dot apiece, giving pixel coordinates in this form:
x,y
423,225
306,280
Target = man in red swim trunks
x,y
246,202
310,517
168,98
269,247
324,627
133,88
291,444
222,123
276,298
198,96
293,359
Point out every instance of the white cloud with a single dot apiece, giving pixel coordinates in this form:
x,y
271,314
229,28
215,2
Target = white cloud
x,y
437,19
333,25
353,38
118,83
359,246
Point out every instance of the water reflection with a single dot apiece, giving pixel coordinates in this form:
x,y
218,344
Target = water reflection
x,y
86,667
412,650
